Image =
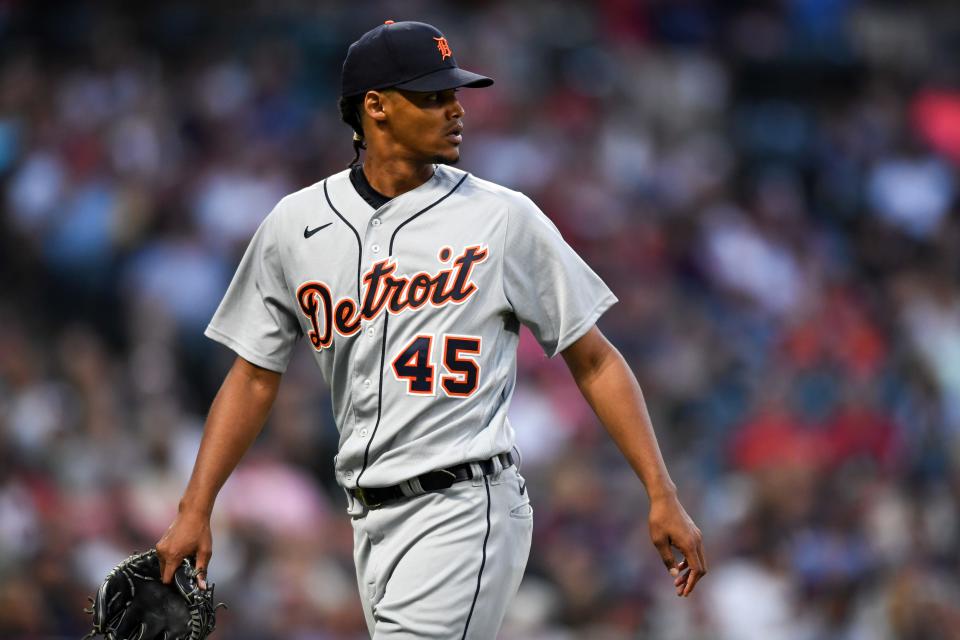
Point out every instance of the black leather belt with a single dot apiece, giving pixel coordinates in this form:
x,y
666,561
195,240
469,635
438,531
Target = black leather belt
x,y
376,497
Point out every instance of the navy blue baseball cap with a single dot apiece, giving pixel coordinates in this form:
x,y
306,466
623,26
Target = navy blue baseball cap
x,y
404,55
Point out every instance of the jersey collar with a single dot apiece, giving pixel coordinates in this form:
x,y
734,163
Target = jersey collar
x,y
352,205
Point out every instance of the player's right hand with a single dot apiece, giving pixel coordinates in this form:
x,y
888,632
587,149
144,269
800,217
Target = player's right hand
x,y
187,537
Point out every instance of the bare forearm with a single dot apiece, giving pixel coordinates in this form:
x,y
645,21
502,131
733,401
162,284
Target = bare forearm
x,y
627,421
236,417
612,390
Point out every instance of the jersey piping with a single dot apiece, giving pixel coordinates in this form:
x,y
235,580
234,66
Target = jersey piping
x,y
483,562
386,317
355,234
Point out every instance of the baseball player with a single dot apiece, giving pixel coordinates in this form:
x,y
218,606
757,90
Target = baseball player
x,y
409,280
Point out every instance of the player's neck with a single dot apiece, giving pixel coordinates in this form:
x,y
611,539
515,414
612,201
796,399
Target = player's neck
x,y
393,176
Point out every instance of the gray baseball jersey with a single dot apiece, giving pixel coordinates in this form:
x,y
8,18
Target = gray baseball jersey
x,y
412,311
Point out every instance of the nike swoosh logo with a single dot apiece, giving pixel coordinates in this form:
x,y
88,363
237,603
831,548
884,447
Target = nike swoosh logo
x,y
307,231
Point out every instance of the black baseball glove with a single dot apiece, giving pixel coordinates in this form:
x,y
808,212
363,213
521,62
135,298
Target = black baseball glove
x,y
133,604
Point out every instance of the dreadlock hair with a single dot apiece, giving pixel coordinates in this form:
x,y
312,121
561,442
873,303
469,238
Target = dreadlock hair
x,y
350,113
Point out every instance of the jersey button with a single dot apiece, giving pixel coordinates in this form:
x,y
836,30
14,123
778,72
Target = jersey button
x,y
376,222
348,475
367,383
371,332
363,433
375,248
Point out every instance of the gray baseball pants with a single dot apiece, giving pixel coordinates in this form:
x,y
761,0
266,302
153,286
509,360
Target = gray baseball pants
x,y
445,564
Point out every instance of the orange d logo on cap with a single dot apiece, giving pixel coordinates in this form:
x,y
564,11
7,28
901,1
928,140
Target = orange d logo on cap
x,y
443,47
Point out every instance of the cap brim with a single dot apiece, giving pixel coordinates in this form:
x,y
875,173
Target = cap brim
x,y
449,78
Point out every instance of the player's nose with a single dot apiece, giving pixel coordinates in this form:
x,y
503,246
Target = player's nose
x,y
455,112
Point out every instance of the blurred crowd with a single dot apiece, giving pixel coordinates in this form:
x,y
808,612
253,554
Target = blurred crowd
x,y
770,188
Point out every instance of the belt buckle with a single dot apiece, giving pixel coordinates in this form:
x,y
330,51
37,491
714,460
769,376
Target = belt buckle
x,y
361,495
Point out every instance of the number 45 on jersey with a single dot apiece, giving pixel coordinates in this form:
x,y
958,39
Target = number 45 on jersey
x,y
460,354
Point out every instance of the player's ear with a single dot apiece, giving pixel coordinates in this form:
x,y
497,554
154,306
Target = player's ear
x,y
374,105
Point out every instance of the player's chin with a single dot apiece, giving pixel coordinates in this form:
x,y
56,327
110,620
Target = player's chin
x,y
447,156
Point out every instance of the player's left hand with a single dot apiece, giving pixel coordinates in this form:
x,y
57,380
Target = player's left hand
x,y
670,526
